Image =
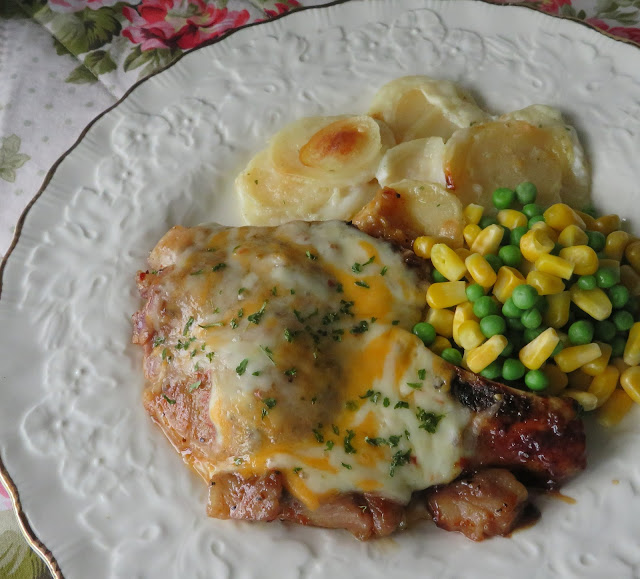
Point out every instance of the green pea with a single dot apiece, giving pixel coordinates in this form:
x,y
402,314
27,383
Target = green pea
x,y
526,193
485,306
623,320
492,325
487,220
510,310
494,261
587,282
452,356
531,318
605,331
510,255
581,332
619,296
596,240
506,236
536,380
524,296
607,277
513,369
557,248
492,371
530,334
437,276
559,347
503,198
474,291
542,305
426,332
515,324
532,209
517,233
508,349
617,346
590,210
535,219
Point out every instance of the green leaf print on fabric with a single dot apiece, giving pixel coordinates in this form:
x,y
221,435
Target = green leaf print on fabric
x,y
86,30
99,62
17,560
10,158
81,75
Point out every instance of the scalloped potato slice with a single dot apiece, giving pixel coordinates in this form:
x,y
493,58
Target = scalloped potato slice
x,y
268,197
418,160
343,149
539,148
415,107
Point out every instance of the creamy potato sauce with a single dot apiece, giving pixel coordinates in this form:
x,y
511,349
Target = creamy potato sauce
x,y
303,333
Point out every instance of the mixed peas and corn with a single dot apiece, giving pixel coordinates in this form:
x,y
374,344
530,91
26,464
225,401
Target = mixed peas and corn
x,y
546,299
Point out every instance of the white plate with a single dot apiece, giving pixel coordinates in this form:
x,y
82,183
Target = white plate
x,y
101,487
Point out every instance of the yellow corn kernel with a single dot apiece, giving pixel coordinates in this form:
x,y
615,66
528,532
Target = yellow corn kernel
x,y
619,363
439,345
599,364
558,380
480,270
578,380
632,253
584,259
473,213
535,243
589,221
610,263
572,235
545,283
616,243
587,400
607,224
470,335
511,218
630,279
536,352
442,321
447,262
526,267
594,301
603,385
632,349
630,382
507,280
554,265
574,357
479,358
488,240
446,294
470,232
557,314
422,245
614,409
462,253
560,215
552,234
462,313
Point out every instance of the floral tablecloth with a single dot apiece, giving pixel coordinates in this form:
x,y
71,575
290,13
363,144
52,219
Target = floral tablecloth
x,y
62,62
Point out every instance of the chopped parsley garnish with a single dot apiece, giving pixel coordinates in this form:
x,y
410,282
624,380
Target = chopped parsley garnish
x,y
422,373
339,288
165,354
292,292
384,270
335,429
399,459
219,266
214,325
345,307
268,353
157,340
375,441
297,469
314,400
290,372
187,326
210,355
401,404
241,290
194,352
240,312
363,284
289,335
386,402
351,405
238,461
347,466
329,445
193,386
270,403
348,447
197,272
394,440
257,316
169,400
415,385
429,420
395,322
256,373
319,436
373,395
185,345
360,328
357,267
311,256
233,323
274,291
154,272
242,367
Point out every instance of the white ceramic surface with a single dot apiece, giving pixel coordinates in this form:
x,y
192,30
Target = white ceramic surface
x,y
101,487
